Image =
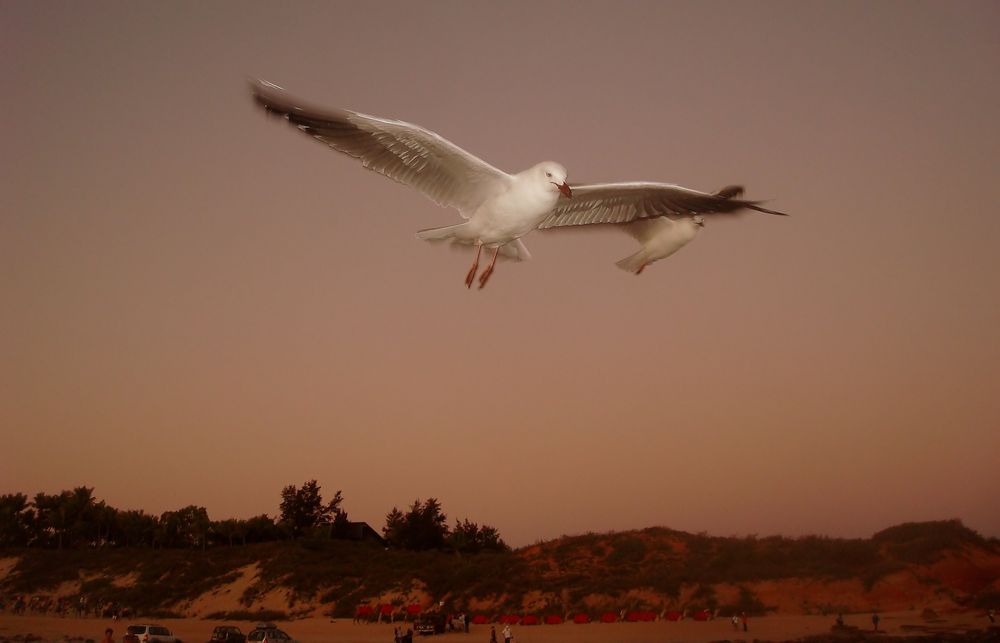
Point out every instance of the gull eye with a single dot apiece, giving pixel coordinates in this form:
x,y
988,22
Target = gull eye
x,y
548,174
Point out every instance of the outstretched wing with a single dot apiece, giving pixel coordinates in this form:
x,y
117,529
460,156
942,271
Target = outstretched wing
x,y
627,202
406,153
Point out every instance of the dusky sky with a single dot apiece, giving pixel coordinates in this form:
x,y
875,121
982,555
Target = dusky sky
x,y
200,305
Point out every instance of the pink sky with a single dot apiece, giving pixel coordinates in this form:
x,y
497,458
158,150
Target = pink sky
x,y
201,306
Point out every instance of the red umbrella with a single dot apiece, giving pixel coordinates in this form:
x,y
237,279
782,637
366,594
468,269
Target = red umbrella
x,y
553,619
674,615
479,619
530,619
609,617
413,609
510,619
702,615
581,618
364,610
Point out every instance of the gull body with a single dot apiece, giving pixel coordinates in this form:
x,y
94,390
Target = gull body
x,y
659,238
525,199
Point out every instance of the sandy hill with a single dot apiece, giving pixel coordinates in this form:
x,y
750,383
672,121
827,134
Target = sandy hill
x,y
940,566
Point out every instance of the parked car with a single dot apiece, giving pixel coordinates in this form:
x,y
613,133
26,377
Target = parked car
x,y
268,633
148,634
227,634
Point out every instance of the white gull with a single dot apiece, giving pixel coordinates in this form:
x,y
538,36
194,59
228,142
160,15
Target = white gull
x,y
499,208
663,218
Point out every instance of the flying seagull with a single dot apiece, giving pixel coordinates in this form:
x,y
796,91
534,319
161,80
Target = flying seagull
x,y
663,218
499,208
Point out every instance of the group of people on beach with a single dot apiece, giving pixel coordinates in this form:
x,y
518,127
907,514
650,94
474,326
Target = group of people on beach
x,y
65,606
739,618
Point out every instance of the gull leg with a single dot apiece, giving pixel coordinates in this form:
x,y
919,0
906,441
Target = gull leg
x,y
641,268
475,266
483,278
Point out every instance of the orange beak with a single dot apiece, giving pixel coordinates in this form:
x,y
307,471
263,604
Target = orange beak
x,y
564,188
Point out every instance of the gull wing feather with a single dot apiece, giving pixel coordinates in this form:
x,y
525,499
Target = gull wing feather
x,y
628,202
404,152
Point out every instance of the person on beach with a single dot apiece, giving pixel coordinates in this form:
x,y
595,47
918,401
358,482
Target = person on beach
x,y
736,622
109,636
992,615
840,620
507,636
743,617
493,634
875,620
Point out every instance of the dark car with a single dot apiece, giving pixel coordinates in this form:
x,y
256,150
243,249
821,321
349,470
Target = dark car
x,y
268,633
227,634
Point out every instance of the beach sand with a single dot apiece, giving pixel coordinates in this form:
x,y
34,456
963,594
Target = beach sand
x,y
773,628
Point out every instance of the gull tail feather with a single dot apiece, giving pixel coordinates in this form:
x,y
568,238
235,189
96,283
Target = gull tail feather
x,y
733,192
633,263
730,191
446,233
753,206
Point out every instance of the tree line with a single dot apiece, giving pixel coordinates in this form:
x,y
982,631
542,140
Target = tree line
x,y
77,519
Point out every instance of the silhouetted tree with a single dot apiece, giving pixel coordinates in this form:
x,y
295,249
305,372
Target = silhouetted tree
x,y
260,529
394,527
225,531
65,518
341,525
105,521
137,528
471,538
302,510
16,520
187,527
424,526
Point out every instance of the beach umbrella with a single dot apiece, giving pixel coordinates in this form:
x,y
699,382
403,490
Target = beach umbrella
x,y
553,619
529,619
609,617
581,618
480,619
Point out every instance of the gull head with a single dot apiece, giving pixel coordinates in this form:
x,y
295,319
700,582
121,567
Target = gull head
x,y
699,220
552,172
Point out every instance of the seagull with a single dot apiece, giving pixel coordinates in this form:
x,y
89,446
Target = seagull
x,y
663,218
498,208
